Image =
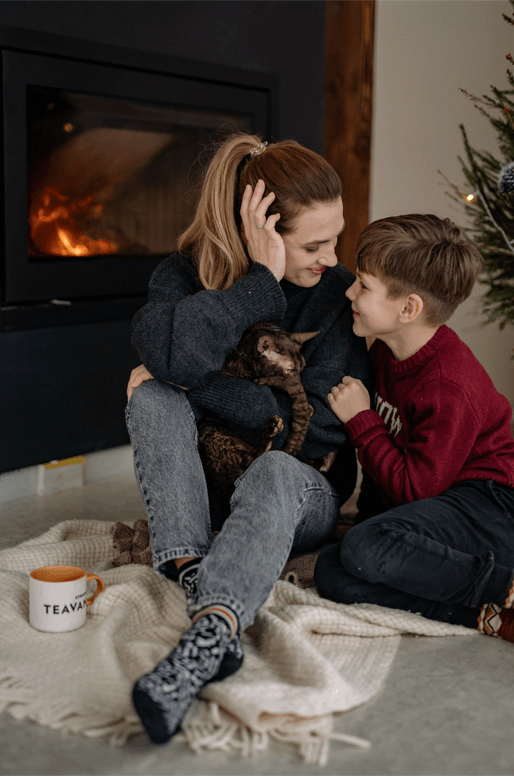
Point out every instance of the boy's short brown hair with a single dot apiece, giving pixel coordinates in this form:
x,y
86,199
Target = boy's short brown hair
x,y
421,254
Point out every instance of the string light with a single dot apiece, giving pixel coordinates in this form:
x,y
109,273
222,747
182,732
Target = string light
x,y
469,197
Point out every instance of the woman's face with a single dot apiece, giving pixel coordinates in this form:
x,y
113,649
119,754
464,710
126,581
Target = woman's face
x,y
310,248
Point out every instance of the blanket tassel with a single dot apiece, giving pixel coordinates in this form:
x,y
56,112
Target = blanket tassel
x,y
116,733
315,746
215,729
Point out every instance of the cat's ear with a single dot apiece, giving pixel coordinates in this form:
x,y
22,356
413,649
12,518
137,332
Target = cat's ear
x,y
302,337
266,343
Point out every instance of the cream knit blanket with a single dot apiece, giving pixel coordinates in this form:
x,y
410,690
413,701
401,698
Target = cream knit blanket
x,y
305,657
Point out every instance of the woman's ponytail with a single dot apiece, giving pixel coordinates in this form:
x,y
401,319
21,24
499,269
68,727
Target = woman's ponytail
x,y
213,238
298,177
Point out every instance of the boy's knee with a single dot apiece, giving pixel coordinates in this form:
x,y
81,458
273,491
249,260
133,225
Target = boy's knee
x,y
334,582
327,569
370,550
361,549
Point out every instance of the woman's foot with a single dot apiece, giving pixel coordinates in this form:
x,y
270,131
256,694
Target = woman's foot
x,y
163,696
231,661
233,658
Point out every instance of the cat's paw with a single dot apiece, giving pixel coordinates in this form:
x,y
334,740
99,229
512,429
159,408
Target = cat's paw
x,y
323,463
279,424
310,410
274,426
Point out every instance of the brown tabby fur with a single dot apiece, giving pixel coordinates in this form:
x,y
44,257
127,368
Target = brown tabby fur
x,y
269,356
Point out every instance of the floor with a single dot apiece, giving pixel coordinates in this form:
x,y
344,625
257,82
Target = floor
x,y
446,709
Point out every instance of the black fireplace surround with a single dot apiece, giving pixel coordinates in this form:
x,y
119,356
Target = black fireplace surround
x,y
99,172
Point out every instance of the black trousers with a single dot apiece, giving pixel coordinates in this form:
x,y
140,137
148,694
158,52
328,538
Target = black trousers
x,y
442,557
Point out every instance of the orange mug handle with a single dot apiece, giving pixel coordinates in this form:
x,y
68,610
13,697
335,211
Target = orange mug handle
x,y
100,585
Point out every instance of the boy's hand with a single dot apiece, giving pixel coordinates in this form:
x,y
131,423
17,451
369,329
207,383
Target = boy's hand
x,y
349,398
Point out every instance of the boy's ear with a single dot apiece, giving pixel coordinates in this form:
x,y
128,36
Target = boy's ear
x,y
412,309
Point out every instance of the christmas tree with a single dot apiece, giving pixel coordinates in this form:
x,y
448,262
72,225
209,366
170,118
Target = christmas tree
x,y
490,206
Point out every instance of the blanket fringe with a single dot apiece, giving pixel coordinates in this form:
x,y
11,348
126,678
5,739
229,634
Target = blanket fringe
x,y
215,729
209,728
212,728
314,746
21,702
116,733
10,683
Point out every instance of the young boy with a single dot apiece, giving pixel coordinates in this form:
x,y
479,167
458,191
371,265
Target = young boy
x,y
437,449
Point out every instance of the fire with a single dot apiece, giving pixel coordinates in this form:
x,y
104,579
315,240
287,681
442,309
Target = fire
x,y
57,225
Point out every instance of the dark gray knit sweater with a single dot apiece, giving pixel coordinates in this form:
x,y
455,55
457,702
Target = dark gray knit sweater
x,y
184,332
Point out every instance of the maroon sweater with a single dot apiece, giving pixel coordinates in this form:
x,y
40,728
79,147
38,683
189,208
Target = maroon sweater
x,y
438,420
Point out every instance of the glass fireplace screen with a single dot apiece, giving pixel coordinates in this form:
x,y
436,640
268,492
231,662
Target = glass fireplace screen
x,y
111,176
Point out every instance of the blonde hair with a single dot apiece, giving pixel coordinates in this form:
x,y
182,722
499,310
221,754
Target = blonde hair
x,y
424,255
300,179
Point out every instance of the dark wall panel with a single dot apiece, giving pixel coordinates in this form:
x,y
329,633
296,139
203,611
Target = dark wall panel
x,y
62,389
285,37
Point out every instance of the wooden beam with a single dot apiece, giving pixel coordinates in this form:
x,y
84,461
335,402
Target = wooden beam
x,y
349,36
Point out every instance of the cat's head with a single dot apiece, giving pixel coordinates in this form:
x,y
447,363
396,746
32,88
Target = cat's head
x,y
279,352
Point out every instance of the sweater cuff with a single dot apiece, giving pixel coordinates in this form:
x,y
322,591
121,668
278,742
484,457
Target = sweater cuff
x,y
361,423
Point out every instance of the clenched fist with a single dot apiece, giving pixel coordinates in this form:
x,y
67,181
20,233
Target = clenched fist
x,y
349,398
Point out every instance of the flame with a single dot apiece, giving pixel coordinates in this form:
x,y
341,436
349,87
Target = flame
x,y
57,225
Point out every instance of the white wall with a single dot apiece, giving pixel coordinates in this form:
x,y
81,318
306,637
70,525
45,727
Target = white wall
x,y
424,51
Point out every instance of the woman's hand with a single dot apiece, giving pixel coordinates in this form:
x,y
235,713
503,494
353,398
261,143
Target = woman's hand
x,y
137,376
263,243
349,398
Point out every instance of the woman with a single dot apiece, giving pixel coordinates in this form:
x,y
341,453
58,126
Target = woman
x,y
260,249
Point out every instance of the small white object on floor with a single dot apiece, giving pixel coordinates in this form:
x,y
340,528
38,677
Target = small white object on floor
x,y
60,475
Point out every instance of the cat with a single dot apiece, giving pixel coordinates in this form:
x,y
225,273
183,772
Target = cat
x,y
267,355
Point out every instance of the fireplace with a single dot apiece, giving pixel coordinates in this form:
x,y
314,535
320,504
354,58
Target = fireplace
x,y
109,176
101,171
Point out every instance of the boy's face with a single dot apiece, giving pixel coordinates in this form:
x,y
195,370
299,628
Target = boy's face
x,y
374,313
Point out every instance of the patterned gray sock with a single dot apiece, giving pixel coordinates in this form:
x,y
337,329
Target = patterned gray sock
x,y
233,658
163,696
188,577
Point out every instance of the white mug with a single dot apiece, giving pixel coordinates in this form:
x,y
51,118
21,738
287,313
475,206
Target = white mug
x,y
58,598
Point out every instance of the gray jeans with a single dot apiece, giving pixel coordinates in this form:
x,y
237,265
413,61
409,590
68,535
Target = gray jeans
x,y
279,505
